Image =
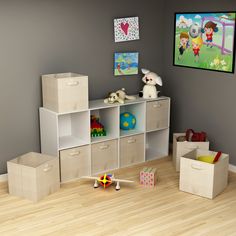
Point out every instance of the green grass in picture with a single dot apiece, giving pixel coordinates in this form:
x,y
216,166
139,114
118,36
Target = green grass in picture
x,y
210,58
130,71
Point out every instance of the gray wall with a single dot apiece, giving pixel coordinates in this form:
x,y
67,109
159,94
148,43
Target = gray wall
x,y
202,100
39,37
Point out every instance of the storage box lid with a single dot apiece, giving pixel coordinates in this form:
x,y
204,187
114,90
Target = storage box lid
x,y
32,159
200,152
63,75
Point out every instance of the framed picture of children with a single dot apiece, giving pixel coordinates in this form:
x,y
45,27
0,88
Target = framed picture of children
x,y
205,40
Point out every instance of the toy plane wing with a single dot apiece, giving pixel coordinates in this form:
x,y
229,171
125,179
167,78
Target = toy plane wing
x,y
122,180
89,177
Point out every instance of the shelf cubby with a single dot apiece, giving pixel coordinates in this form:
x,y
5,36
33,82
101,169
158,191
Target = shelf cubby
x,y
109,118
73,129
157,144
138,110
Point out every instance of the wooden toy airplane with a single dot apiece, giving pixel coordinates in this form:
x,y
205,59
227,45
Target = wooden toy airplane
x,y
106,180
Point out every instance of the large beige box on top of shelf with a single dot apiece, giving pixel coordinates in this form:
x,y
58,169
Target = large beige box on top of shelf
x,y
181,148
65,92
33,176
201,178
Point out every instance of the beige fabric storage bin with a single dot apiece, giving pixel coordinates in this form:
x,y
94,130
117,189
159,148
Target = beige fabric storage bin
x,y
75,162
131,150
201,178
104,156
181,148
157,115
65,92
33,176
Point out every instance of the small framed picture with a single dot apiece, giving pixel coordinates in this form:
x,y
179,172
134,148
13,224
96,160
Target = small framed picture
x,y
126,63
126,29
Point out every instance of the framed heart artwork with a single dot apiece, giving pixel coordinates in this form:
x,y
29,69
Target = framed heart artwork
x,y
126,29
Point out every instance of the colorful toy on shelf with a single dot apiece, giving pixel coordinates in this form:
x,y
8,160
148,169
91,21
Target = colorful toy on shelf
x,y
106,180
148,176
194,136
97,129
150,79
210,159
118,96
127,121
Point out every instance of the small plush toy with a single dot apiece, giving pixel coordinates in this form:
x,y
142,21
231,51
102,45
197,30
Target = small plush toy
x,y
118,96
149,89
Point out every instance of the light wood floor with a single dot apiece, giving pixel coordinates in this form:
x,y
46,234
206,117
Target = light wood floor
x,y
79,209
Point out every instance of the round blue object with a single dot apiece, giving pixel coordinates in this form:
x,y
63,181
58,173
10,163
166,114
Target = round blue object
x,y
127,121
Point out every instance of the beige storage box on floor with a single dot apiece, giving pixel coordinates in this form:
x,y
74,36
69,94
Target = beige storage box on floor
x,y
65,92
202,178
181,148
33,176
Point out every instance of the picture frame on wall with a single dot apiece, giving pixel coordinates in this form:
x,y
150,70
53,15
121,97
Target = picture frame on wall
x,y
126,63
126,29
205,40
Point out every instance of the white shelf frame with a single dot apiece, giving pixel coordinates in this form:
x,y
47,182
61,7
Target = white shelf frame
x,y
156,142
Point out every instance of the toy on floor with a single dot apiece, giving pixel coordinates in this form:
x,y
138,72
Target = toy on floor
x,y
148,176
97,129
150,79
127,121
118,96
210,159
106,180
195,136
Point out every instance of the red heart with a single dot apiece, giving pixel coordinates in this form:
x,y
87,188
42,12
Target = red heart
x,y
124,27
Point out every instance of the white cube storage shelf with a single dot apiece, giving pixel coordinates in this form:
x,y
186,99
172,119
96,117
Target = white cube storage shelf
x,y
65,92
63,133
201,178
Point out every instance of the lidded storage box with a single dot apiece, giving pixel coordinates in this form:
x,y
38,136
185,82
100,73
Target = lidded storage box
x,y
202,178
65,92
33,176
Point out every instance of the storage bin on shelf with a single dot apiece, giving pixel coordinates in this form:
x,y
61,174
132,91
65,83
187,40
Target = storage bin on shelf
x,y
33,176
65,92
202,178
181,148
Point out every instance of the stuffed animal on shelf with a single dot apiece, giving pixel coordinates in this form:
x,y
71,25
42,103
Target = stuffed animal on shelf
x,y
97,129
118,96
150,79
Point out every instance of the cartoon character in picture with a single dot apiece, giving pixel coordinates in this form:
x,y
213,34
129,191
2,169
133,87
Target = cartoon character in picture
x,y
209,28
184,43
196,45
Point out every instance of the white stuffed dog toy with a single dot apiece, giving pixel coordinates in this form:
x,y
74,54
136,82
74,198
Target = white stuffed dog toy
x,y
149,89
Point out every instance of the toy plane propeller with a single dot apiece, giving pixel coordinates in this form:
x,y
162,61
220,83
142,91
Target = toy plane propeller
x,y
106,180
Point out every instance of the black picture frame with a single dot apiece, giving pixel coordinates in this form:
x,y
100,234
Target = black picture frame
x,y
205,40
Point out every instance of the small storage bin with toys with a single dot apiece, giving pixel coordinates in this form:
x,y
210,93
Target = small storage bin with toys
x,y
204,172
185,142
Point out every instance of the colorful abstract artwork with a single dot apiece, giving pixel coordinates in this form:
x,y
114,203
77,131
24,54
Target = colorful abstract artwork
x,y
126,29
126,63
205,40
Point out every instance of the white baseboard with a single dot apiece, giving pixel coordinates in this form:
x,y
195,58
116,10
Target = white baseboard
x,y
3,178
232,168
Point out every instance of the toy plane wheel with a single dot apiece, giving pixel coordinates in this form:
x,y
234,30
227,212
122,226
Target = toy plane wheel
x,y
96,184
117,186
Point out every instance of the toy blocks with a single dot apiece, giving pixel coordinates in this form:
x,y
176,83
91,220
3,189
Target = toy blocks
x,y
148,176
